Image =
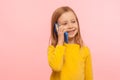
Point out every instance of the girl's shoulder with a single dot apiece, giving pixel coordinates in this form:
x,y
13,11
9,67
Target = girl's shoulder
x,y
85,49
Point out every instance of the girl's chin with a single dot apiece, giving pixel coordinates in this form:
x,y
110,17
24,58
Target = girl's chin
x,y
71,36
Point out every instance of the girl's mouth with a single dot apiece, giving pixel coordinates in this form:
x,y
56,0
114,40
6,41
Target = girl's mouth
x,y
71,32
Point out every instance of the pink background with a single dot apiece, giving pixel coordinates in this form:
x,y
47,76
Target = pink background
x,y
25,31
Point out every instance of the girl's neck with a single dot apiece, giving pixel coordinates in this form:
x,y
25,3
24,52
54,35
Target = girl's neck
x,y
71,41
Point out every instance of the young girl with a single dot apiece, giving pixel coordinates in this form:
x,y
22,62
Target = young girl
x,y
72,60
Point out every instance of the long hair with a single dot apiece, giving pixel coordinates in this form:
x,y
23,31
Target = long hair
x,y
55,16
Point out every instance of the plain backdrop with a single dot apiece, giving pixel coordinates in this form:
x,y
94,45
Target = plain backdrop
x,y
25,32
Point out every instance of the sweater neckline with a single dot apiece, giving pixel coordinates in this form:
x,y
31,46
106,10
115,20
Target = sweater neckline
x,y
72,44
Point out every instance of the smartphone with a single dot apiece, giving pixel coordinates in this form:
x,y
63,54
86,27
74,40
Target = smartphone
x,y
65,34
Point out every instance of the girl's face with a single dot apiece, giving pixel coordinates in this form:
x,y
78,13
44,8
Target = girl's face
x,y
68,20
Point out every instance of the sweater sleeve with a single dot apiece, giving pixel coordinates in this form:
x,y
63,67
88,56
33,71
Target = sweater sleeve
x,y
55,57
88,65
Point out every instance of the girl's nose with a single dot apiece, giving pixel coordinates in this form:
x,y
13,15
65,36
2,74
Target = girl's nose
x,y
70,25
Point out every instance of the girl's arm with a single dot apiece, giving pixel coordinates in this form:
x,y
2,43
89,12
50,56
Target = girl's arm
x,y
88,66
55,57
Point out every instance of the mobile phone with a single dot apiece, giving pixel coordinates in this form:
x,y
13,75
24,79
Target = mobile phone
x,y
65,34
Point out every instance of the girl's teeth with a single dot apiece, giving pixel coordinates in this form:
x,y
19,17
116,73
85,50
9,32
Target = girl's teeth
x,y
71,32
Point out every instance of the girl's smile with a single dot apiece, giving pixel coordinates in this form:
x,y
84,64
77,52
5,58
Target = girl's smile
x,y
69,21
72,31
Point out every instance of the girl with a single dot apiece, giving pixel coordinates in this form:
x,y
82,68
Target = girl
x,y
72,60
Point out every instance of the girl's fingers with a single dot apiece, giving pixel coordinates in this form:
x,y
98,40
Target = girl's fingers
x,y
61,28
64,29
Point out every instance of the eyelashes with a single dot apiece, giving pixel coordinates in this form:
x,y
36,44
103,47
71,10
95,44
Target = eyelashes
x,y
64,23
73,21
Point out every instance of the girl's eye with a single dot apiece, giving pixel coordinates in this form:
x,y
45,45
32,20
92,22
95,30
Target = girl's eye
x,y
73,21
64,23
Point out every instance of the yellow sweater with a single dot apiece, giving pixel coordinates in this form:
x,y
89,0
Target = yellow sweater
x,y
70,62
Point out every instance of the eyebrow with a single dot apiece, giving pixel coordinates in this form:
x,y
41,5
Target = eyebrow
x,y
70,20
73,19
64,21
67,21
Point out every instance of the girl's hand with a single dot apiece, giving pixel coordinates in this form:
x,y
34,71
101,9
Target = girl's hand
x,y
61,30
